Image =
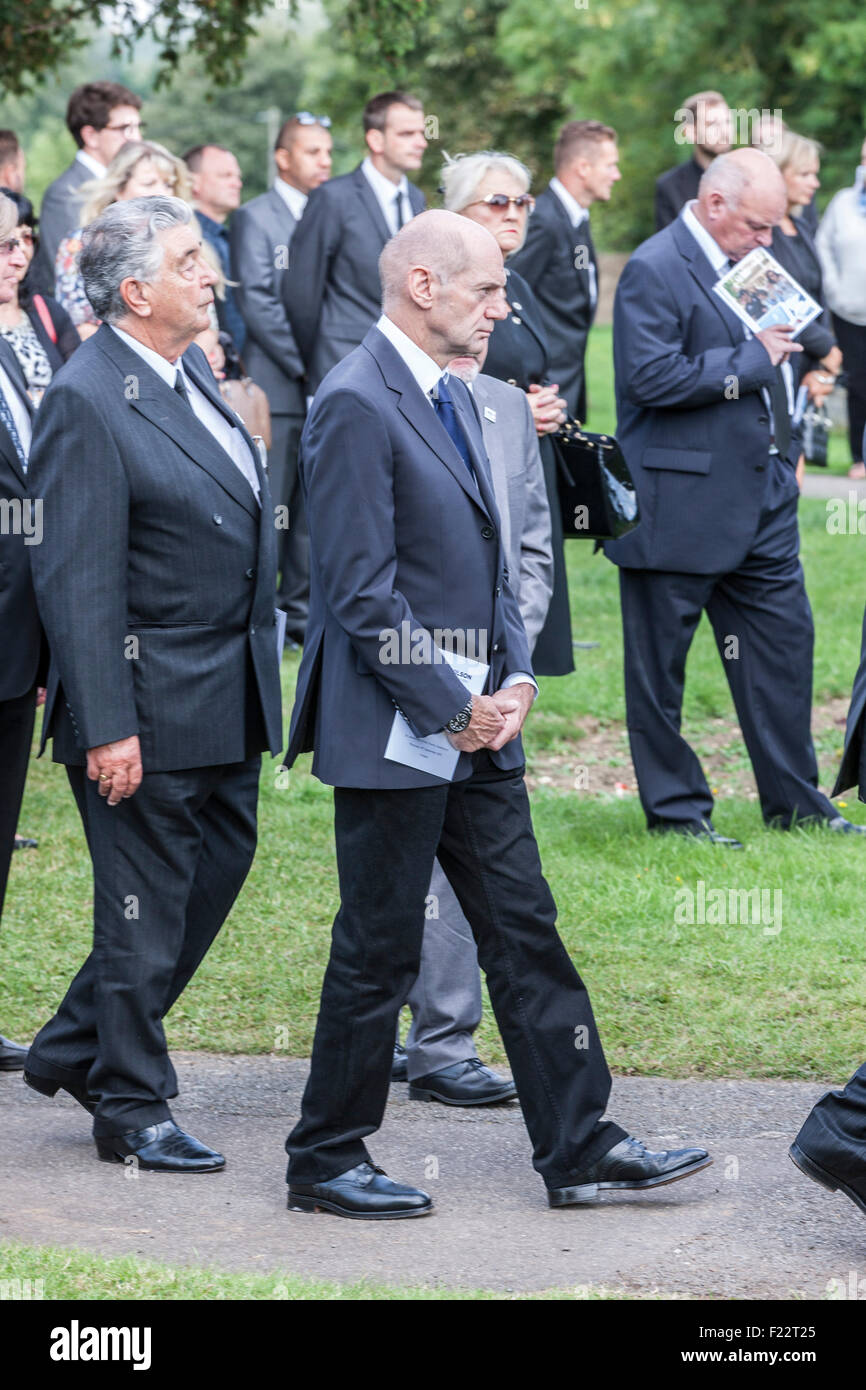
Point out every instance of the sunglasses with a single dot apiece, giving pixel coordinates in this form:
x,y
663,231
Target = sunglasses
x,y
502,200
8,246
307,118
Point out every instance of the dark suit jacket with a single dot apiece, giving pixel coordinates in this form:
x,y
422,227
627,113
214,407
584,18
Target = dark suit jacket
x,y
674,188
691,419
157,569
59,215
258,231
562,291
332,292
399,534
21,642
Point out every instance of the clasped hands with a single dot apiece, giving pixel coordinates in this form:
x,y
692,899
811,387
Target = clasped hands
x,y
496,719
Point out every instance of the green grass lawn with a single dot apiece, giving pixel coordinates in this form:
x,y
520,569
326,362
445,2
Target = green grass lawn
x,y
672,999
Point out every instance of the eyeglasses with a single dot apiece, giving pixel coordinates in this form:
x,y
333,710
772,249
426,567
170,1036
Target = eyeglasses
x,y
502,200
8,246
130,130
307,118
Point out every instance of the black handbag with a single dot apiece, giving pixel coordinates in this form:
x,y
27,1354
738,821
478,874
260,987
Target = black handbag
x,y
597,495
816,434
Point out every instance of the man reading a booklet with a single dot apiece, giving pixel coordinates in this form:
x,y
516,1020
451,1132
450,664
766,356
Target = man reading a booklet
x,y
704,405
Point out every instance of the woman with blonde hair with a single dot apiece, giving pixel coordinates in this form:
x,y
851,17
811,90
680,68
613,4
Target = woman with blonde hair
x,y
140,169
493,188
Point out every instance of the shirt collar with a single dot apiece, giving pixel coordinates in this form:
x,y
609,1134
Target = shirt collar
x,y
209,224
576,211
161,365
710,247
384,189
93,165
425,371
293,198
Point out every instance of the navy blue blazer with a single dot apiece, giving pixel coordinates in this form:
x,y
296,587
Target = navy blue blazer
x,y
399,534
691,418
157,569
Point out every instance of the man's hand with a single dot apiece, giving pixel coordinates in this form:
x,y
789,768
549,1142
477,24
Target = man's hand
x,y
515,703
486,723
117,768
778,342
547,406
819,385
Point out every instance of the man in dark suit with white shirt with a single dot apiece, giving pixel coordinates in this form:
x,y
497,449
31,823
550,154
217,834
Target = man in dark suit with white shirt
x,y
704,122
332,291
261,235
406,548
101,118
703,420
558,256
155,583
21,642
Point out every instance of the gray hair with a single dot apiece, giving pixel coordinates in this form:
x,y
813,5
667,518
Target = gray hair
x,y
462,175
122,242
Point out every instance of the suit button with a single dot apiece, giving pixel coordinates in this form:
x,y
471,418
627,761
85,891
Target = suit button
x,y
250,574
496,646
488,532
217,518
252,632
515,319
497,591
763,419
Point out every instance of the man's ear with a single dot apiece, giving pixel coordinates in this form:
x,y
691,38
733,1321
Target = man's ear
x,y
136,296
87,133
420,286
375,141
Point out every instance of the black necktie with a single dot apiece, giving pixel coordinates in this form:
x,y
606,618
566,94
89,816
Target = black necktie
x,y
398,205
180,388
781,418
448,416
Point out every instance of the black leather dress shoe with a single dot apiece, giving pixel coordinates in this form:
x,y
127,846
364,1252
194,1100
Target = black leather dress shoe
x,y
400,1064
49,1087
630,1165
822,1175
365,1193
465,1083
844,827
12,1055
162,1148
702,830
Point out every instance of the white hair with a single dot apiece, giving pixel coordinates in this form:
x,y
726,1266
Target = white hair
x,y
462,175
122,242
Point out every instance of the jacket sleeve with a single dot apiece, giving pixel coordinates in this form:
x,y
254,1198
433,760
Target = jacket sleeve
x,y
311,250
80,568
653,370
257,294
536,548
533,258
665,210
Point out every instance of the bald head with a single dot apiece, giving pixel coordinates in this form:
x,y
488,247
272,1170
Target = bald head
x,y
442,242
741,198
443,284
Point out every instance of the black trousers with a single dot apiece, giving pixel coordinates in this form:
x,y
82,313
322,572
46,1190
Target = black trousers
x,y
293,557
386,843
167,867
834,1133
762,621
851,338
16,734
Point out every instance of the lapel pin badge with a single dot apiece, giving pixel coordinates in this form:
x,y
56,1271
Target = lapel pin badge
x,y
490,414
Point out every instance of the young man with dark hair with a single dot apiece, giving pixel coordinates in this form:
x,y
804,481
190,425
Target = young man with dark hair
x,y
12,163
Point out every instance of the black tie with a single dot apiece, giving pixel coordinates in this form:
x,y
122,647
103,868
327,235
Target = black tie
x,y
398,205
180,388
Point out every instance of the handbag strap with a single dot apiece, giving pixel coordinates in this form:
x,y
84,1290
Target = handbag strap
x,y
47,322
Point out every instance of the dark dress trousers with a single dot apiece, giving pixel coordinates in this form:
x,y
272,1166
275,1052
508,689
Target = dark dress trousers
x,y
554,262
517,353
261,234
22,652
674,188
718,534
406,535
834,1133
155,583
332,292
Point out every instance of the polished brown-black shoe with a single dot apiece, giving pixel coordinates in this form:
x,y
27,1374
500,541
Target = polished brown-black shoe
x,y
162,1148
630,1166
819,1174
365,1193
463,1083
49,1087
12,1055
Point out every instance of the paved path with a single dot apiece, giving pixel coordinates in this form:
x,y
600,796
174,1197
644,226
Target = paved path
x,y
749,1226
825,484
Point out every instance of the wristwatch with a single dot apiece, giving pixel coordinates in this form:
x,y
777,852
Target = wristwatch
x,y
461,720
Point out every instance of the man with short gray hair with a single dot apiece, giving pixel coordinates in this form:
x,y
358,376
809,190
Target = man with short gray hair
x,y
155,582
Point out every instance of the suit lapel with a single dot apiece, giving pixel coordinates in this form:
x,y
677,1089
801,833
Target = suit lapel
x,y
157,402
196,364
13,370
467,413
704,275
371,203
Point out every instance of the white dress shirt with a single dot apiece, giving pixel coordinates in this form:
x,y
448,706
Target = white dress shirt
x,y
18,410
293,198
227,436
720,263
92,165
427,373
577,213
386,195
